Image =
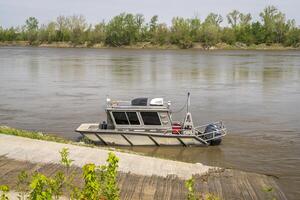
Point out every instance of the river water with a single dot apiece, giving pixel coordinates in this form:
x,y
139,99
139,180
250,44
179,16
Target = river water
x,y
256,93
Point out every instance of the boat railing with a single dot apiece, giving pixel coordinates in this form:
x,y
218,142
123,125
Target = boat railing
x,y
219,124
118,103
213,134
200,131
220,132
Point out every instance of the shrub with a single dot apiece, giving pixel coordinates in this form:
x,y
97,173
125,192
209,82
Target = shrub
x,y
65,160
40,188
100,182
4,189
191,195
22,185
190,185
91,189
108,178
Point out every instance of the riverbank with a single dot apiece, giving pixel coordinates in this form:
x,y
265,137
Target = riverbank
x,y
140,177
148,45
226,184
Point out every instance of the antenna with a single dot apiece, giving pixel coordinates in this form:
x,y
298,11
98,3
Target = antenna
x,y
188,103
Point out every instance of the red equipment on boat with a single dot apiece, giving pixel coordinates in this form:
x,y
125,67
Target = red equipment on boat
x,y
176,128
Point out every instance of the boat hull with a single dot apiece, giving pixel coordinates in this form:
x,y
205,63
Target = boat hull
x,y
136,138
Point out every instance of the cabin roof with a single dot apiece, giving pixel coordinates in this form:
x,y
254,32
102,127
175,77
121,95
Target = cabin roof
x,y
137,104
138,108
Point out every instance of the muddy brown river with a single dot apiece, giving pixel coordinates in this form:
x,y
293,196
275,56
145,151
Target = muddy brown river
x,y
256,94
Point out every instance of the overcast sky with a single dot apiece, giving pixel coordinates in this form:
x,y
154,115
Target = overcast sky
x,y
14,12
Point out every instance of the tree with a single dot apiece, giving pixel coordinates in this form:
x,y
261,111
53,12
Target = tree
x,y
1,33
210,30
214,19
258,33
63,32
10,34
47,33
195,26
129,29
142,29
228,36
293,37
151,29
77,26
32,29
162,34
181,32
123,29
243,29
153,23
233,18
97,35
240,23
274,23
245,19
158,33
32,24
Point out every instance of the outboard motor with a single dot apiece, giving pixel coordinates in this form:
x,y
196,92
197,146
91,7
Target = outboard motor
x,y
217,132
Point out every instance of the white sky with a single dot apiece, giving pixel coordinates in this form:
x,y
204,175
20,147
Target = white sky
x,y
15,12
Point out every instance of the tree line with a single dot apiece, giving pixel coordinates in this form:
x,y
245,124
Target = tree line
x,y
128,29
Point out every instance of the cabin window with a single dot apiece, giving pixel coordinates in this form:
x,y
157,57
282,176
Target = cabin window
x,y
133,118
120,118
150,118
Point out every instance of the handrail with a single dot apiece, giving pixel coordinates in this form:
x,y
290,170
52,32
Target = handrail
x,y
217,122
194,130
213,132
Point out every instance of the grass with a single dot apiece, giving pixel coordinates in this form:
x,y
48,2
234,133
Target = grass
x,y
47,137
31,134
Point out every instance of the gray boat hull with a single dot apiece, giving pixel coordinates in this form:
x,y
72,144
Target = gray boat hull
x,y
138,138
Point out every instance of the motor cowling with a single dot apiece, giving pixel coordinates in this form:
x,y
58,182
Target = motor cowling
x,y
217,132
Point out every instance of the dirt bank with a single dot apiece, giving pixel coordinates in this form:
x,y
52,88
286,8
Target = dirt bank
x,y
148,45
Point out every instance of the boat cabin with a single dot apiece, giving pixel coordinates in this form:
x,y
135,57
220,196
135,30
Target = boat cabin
x,y
139,115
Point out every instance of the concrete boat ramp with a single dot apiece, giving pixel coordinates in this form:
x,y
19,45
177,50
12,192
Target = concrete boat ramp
x,y
140,177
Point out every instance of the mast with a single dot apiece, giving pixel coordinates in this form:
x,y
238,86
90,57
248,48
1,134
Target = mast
x,y
188,124
188,103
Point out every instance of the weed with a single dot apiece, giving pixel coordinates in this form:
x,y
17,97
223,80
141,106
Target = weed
x,y
4,189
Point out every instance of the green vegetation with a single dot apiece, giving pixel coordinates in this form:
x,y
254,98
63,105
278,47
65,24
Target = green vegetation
x,y
190,185
3,192
31,134
100,182
191,195
47,137
22,185
128,30
269,192
64,154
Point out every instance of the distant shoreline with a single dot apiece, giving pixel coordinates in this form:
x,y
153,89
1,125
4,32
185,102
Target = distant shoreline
x,y
145,45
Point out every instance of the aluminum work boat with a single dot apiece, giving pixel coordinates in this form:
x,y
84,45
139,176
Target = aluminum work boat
x,y
144,121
